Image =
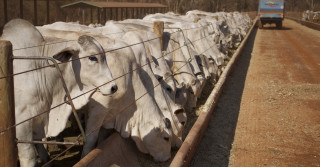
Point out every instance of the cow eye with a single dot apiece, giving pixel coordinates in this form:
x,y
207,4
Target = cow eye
x,y
93,58
192,92
166,138
169,89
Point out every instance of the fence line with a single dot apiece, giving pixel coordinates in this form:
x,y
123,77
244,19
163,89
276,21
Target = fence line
x,y
174,73
68,101
186,43
71,99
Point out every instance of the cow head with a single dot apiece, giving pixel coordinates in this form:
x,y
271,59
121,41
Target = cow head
x,y
89,65
155,140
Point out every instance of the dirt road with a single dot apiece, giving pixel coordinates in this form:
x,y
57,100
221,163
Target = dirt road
x,y
269,111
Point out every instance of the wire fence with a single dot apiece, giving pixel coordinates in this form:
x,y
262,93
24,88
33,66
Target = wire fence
x,y
78,142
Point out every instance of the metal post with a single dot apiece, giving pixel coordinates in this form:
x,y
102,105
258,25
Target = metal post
x,y
35,12
7,139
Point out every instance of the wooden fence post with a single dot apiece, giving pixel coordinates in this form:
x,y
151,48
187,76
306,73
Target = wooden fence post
x,y
8,145
158,27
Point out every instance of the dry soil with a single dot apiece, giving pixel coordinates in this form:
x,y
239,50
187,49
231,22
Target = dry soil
x,y
269,111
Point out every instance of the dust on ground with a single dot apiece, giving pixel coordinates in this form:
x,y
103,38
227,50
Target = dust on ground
x,y
268,113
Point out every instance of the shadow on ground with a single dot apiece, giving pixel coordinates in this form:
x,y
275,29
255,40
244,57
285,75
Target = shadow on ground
x,y
273,27
215,146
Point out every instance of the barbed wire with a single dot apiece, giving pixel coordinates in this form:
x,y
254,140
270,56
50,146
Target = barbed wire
x,y
66,102
174,73
111,50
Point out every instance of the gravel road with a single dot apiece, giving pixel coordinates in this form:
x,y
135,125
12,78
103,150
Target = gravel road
x,y
269,111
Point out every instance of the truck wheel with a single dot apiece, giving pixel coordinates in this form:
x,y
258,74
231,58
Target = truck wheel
x,y
279,25
260,25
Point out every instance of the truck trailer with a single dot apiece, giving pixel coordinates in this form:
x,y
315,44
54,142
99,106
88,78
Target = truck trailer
x,y
271,11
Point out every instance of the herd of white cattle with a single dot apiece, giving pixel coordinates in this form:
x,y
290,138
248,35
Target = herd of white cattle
x,y
311,16
140,89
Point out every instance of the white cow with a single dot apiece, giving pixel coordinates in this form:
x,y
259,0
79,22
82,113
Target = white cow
x,y
185,72
141,119
173,111
159,68
40,90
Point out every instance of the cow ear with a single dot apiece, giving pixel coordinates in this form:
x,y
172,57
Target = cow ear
x,y
84,40
64,55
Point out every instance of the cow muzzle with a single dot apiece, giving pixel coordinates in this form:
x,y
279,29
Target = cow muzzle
x,y
108,89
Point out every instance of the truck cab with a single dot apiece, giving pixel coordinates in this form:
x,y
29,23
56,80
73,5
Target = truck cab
x,y
271,11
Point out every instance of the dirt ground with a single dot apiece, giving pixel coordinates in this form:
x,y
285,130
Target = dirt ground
x,y
269,111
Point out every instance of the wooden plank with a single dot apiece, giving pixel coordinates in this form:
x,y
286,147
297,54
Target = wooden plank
x,y
121,13
158,28
91,17
21,9
111,14
104,15
99,21
117,14
127,13
83,16
48,11
114,151
35,12
8,146
5,10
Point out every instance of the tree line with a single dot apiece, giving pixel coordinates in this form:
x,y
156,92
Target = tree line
x,y
182,6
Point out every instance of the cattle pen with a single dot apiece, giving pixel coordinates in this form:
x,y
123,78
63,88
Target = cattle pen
x,y
8,129
294,83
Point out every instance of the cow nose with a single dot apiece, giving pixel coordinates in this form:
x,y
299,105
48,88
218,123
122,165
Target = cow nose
x,y
114,88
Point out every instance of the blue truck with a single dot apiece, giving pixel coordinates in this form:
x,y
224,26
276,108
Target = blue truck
x,y
271,11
